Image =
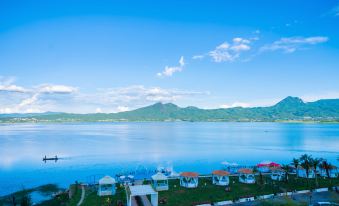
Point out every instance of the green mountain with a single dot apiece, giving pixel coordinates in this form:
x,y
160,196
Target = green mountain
x,y
289,109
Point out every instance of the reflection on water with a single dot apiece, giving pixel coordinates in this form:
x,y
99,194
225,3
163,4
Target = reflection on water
x,y
109,148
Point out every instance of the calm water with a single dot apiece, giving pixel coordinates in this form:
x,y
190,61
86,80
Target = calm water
x,y
109,148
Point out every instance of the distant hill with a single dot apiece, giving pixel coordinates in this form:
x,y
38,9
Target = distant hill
x,y
289,109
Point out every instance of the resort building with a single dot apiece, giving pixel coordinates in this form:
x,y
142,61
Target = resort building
x,y
301,172
189,179
220,177
277,174
266,166
246,176
332,172
160,182
106,186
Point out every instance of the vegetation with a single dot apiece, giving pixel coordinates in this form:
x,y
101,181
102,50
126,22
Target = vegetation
x,y
290,109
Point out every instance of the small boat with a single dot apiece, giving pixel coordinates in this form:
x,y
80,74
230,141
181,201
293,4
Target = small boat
x,y
45,159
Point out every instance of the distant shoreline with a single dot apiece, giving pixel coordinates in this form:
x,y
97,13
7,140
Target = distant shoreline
x,y
174,121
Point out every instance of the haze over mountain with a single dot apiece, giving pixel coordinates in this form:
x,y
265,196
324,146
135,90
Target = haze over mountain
x,y
289,109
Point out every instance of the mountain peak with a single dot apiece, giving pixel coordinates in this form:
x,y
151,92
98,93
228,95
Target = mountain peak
x,y
290,101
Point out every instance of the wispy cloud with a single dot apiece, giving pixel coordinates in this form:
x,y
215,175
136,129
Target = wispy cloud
x,y
198,57
292,44
61,89
18,99
235,104
169,71
227,52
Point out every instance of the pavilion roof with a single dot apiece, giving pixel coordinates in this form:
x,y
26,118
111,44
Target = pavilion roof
x,y
189,174
159,176
107,180
220,172
245,171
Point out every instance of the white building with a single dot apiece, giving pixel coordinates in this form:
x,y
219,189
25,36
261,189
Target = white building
x,y
189,179
246,176
220,177
160,182
106,186
278,174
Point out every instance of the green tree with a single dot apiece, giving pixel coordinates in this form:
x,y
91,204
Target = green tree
x,y
305,163
285,168
315,162
295,163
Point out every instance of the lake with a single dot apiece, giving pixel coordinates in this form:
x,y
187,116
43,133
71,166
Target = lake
x,y
90,150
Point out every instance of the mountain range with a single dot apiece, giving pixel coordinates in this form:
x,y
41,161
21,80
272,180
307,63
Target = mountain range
x,y
288,109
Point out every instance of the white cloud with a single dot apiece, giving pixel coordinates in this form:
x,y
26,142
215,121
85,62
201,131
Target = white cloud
x,y
63,89
27,100
198,57
122,109
12,88
257,31
291,44
6,85
227,52
98,110
169,71
235,104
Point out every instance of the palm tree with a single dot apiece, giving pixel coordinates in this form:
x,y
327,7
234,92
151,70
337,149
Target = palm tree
x,y
285,168
305,163
305,160
256,170
326,166
314,162
295,163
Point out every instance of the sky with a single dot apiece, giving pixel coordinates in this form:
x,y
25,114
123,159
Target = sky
x,y
110,56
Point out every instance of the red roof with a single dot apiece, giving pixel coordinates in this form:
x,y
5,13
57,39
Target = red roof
x,y
220,172
189,174
272,164
245,171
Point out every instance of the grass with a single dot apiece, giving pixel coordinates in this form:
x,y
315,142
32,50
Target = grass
x,y
93,199
208,193
177,196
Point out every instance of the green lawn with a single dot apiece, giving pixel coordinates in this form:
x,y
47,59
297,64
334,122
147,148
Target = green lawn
x,y
207,192
93,199
177,196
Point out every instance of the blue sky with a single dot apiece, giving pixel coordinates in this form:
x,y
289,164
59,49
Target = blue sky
x,y
109,56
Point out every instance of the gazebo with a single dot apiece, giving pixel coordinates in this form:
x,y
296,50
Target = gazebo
x,y
160,182
277,173
246,176
189,179
106,186
220,177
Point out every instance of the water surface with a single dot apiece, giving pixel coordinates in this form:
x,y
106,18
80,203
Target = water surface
x,y
94,149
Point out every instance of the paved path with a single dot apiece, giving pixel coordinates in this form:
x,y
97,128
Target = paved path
x,y
145,200
82,195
